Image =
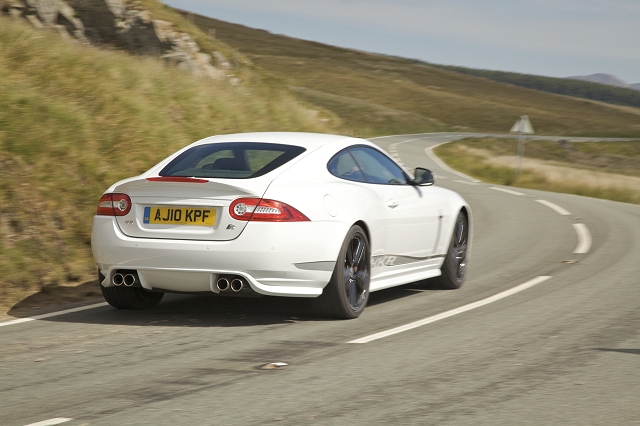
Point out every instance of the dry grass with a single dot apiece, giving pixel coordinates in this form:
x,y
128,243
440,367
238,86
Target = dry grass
x,y
73,120
609,170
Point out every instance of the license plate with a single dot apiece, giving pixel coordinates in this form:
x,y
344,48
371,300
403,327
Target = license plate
x,y
179,216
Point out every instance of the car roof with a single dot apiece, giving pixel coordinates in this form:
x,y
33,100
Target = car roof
x,y
310,141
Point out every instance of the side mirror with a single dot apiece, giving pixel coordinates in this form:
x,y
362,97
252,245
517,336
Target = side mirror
x,y
424,177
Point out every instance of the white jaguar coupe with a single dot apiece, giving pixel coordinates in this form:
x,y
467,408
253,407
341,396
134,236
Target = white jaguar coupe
x,y
279,214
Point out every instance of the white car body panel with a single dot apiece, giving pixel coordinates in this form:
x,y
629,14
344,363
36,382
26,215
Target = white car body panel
x,y
409,227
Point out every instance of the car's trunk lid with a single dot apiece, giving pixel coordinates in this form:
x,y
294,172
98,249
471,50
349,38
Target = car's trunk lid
x,y
194,209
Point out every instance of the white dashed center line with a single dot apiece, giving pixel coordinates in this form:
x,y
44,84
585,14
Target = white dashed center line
x,y
456,311
554,207
584,238
51,422
508,191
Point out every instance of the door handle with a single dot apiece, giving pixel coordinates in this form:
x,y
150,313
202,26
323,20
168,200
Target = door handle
x,y
392,204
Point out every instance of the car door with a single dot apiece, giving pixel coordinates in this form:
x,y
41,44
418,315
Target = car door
x,y
411,224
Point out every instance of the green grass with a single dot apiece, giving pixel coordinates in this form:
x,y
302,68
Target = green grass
x,y
609,170
377,95
74,120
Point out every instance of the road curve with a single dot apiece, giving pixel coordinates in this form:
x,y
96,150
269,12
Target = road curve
x,y
559,350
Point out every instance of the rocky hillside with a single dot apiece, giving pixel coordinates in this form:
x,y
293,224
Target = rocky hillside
x,y
124,25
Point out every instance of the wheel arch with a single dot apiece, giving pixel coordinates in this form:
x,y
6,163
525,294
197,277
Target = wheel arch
x,y
365,228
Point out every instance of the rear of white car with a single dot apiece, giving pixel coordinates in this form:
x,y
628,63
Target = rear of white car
x,y
282,214
189,231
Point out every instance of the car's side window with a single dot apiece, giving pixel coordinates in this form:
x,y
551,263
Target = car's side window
x,y
377,167
344,166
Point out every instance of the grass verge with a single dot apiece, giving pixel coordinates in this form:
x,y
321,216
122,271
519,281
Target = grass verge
x,y
74,119
609,170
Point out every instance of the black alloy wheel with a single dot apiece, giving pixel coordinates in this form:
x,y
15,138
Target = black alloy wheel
x,y
356,272
455,264
347,293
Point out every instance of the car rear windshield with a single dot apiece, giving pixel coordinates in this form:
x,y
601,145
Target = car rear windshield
x,y
234,160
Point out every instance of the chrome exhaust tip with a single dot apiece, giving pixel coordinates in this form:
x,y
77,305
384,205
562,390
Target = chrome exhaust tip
x,y
222,284
236,285
118,279
130,280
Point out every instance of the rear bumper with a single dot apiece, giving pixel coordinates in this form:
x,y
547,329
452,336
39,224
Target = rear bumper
x,y
278,259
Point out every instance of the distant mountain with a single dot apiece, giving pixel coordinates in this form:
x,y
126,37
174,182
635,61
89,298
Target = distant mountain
x,y
608,79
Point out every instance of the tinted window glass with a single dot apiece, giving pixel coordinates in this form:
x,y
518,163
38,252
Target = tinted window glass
x,y
377,167
237,160
344,166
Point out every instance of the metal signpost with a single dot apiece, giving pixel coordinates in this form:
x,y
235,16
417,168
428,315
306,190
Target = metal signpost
x,y
523,127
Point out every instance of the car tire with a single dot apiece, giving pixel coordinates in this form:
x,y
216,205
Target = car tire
x,y
347,294
129,297
454,266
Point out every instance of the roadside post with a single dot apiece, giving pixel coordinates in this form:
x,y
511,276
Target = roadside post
x,y
523,127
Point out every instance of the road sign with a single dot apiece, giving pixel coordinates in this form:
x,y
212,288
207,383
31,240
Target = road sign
x,y
522,127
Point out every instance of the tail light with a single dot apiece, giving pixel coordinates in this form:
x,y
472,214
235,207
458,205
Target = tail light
x,y
263,210
114,205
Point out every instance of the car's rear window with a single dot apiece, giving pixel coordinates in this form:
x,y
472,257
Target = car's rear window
x,y
233,160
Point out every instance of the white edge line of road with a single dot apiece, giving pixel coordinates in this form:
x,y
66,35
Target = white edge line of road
x,y
53,314
456,311
411,134
394,152
439,162
554,207
51,422
584,238
508,191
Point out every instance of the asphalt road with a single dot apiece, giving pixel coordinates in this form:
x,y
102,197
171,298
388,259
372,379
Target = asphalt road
x,y
563,351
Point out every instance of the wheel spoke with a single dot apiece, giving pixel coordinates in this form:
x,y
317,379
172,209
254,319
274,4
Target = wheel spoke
x,y
462,231
460,234
347,274
362,277
352,292
460,251
358,253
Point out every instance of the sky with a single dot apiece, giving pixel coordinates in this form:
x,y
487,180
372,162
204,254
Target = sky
x,y
556,38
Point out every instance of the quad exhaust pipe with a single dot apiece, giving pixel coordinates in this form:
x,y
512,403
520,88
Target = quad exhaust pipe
x,y
236,285
222,284
231,282
125,278
118,279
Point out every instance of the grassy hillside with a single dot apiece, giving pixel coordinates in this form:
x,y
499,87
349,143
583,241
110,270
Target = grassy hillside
x,y
561,86
74,119
609,170
376,94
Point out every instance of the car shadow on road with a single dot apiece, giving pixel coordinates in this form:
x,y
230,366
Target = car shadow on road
x,y
193,310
